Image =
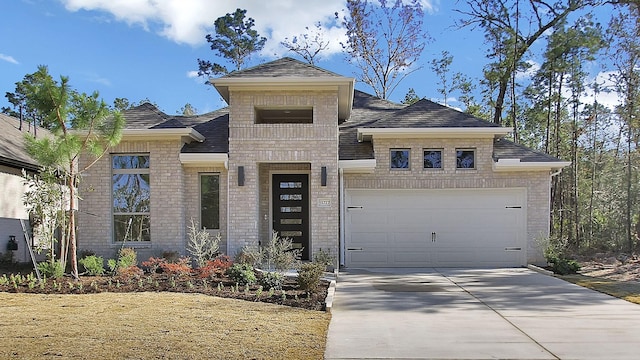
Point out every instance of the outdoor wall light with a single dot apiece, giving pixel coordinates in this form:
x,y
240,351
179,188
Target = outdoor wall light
x,y
323,176
12,245
240,175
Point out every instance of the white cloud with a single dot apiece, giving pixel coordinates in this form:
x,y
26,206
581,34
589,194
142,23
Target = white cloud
x,y
607,96
192,74
8,58
95,78
188,21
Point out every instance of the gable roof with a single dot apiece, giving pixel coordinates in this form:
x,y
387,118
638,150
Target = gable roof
x,y
288,74
284,67
13,150
428,114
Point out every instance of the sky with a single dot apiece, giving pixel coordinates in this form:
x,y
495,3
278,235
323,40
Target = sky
x,y
148,49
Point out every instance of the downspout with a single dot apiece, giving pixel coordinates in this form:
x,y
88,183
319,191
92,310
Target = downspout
x,y
228,213
342,213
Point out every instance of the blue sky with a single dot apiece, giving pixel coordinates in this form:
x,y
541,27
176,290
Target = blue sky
x,y
140,49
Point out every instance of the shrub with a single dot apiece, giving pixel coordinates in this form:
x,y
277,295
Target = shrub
x,y
181,267
280,255
130,272
564,266
153,264
309,276
324,258
51,269
93,265
250,255
271,280
215,267
201,245
555,252
242,274
127,257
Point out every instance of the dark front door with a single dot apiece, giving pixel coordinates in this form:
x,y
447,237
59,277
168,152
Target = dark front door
x,y
291,209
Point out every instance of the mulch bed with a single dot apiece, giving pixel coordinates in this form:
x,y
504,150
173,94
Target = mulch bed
x,y
289,295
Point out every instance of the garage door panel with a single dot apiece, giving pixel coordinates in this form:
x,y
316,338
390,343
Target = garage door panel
x,y
369,258
410,258
470,227
370,240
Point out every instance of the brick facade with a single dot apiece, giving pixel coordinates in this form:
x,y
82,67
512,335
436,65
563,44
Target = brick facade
x,y
267,148
168,210
536,183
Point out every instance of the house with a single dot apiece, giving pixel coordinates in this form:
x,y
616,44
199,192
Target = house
x,y
13,160
299,151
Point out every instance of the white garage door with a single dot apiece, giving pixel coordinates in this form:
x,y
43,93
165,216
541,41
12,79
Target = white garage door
x,y
429,228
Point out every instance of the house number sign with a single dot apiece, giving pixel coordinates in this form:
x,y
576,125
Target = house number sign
x,y
324,202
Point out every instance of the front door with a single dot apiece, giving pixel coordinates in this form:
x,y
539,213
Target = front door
x,y
291,209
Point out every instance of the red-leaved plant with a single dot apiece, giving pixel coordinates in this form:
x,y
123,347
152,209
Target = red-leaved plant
x,y
216,267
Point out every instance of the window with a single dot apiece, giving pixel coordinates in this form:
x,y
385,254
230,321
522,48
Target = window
x,y
432,159
298,115
399,158
210,201
465,159
131,197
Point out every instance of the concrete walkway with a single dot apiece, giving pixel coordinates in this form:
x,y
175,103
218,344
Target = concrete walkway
x,y
476,314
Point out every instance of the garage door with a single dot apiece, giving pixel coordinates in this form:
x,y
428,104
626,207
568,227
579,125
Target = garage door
x,y
435,228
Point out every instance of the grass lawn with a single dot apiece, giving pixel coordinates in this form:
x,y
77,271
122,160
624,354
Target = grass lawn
x,y
156,325
627,290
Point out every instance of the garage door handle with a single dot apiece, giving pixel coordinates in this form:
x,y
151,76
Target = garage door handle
x,y
433,237
354,249
512,249
353,207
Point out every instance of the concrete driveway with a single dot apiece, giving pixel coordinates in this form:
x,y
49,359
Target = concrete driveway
x,y
476,314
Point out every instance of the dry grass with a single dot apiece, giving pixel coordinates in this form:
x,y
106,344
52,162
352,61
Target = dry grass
x,y
156,326
627,290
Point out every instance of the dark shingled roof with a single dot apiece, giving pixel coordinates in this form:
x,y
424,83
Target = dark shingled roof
x,y
285,67
428,114
366,110
13,150
506,149
214,126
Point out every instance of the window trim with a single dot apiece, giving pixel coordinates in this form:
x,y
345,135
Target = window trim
x,y
200,175
129,171
408,168
441,150
475,159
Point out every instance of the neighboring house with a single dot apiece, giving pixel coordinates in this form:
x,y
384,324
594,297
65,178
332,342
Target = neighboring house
x,y
13,160
300,152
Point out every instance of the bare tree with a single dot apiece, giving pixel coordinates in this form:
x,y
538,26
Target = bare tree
x,y
384,42
308,45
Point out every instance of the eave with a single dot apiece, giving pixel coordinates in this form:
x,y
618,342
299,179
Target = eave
x,y
365,166
204,159
366,134
344,86
510,165
187,135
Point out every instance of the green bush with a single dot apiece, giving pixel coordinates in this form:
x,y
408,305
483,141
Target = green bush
x,y
51,269
127,257
564,266
271,280
93,265
309,276
242,274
